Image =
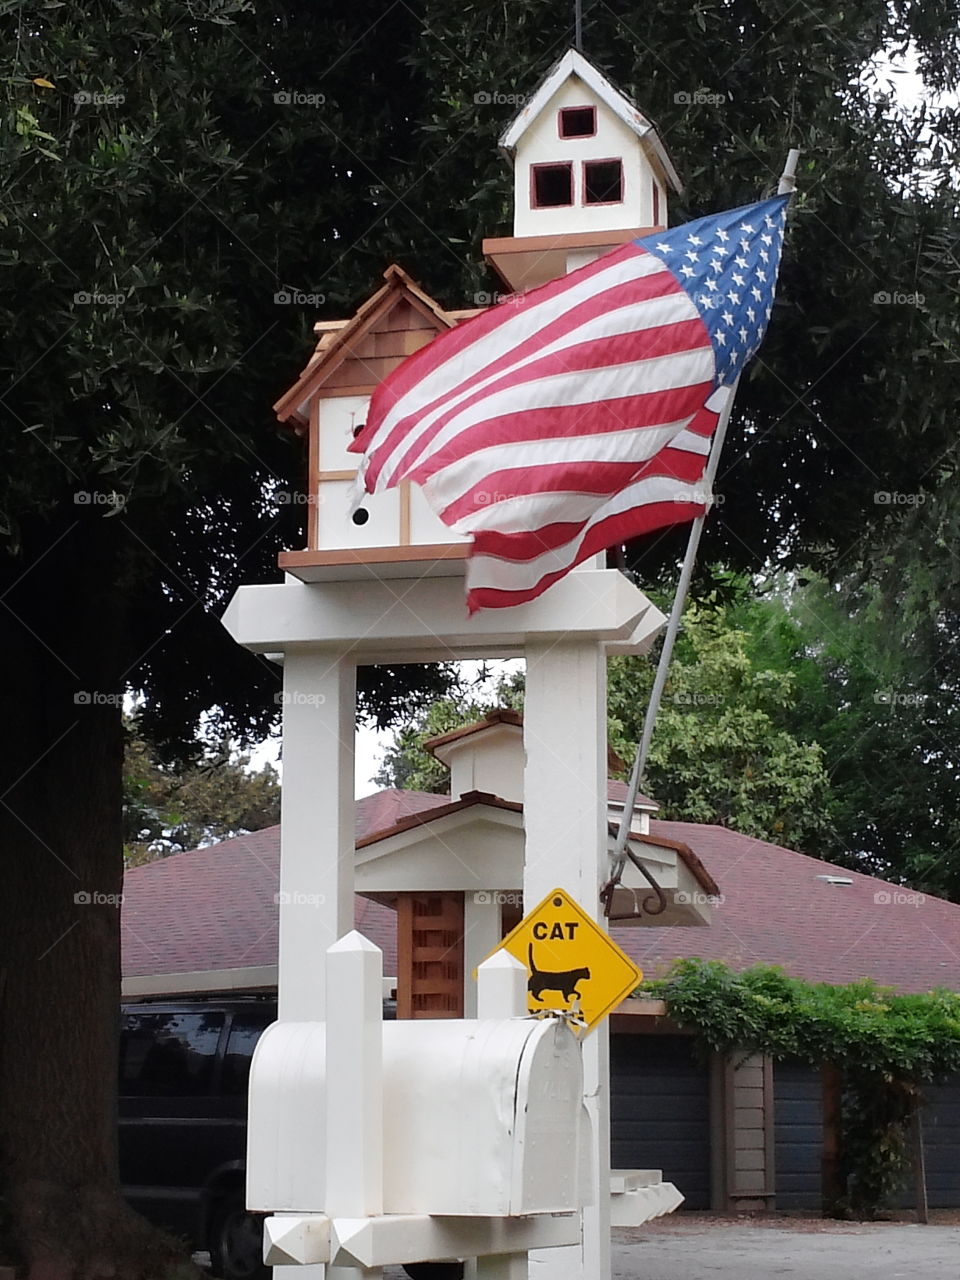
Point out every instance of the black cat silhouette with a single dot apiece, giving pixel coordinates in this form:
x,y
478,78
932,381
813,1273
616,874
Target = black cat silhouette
x,y
565,982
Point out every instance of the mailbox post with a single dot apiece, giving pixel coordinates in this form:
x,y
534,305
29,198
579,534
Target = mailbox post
x,y
324,629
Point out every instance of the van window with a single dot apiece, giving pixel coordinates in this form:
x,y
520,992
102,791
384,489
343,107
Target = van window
x,y
244,1034
168,1055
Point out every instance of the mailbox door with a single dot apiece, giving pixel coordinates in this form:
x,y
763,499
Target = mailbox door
x,y
287,1121
546,1153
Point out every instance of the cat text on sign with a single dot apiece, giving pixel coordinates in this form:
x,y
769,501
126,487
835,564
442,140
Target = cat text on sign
x,y
573,966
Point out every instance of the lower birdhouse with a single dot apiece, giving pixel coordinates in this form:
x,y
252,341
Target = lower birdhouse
x,y
329,406
398,520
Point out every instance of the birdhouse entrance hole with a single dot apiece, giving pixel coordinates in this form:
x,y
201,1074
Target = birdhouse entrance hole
x,y
602,181
552,185
578,122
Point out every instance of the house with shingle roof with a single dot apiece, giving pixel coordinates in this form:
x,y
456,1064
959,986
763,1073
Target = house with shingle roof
x,y
745,1134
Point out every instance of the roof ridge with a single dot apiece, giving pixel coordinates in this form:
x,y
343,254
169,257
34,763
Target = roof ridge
x,y
169,858
797,853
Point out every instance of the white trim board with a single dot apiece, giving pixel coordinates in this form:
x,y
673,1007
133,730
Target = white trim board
x,y
211,982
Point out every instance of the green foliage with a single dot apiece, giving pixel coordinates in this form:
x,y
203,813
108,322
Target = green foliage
x,y
885,1045
876,1113
168,810
721,752
879,694
159,192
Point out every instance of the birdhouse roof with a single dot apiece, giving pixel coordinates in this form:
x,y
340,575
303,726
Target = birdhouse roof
x,y
500,716
573,63
437,746
399,308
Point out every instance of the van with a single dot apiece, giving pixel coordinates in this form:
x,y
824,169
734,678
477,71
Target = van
x,y
184,1067
184,1070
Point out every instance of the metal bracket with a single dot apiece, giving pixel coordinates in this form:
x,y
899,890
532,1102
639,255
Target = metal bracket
x,y
658,897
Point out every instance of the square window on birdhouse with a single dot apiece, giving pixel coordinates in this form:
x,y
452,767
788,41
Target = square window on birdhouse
x,y
602,181
552,185
578,122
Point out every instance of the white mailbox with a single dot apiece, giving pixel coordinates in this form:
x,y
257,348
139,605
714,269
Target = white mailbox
x,y
481,1118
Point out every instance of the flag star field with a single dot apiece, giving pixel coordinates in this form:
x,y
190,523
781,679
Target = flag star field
x,y
728,264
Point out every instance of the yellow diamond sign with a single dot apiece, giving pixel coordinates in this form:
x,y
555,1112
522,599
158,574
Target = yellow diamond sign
x,y
572,964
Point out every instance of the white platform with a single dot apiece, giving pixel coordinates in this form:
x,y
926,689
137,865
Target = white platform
x,y
640,1195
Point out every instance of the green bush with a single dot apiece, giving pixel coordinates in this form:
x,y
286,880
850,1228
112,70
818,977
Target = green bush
x,y
886,1046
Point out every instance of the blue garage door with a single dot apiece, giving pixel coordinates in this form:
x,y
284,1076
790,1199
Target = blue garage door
x,y
941,1149
660,1112
798,1135
941,1138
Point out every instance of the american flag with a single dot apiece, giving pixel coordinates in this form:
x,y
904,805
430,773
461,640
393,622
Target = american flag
x,y
579,415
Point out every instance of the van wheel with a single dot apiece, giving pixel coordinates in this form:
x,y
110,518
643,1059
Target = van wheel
x,y
434,1270
236,1241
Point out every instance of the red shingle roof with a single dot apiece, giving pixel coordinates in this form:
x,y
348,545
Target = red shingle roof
x,y
776,911
617,793
214,908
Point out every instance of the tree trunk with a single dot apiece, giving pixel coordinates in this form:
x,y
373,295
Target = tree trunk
x,y
61,842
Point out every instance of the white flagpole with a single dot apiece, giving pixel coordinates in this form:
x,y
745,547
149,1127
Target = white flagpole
x,y
787,184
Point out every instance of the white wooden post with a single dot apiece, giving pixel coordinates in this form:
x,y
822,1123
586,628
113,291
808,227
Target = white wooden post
x,y
501,987
502,993
354,1084
316,840
316,824
565,818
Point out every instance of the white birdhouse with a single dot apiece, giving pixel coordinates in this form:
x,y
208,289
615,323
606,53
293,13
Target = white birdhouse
x,y
590,172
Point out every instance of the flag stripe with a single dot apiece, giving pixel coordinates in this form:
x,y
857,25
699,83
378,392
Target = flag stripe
x,y
537,530
626,342
489,474
604,534
476,353
648,505
668,387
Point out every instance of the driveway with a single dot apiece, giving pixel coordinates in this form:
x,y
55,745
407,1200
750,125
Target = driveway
x,y
700,1248
798,1249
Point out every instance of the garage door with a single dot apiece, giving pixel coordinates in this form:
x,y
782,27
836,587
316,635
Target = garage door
x,y
941,1138
941,1149
798,1135
660,1112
